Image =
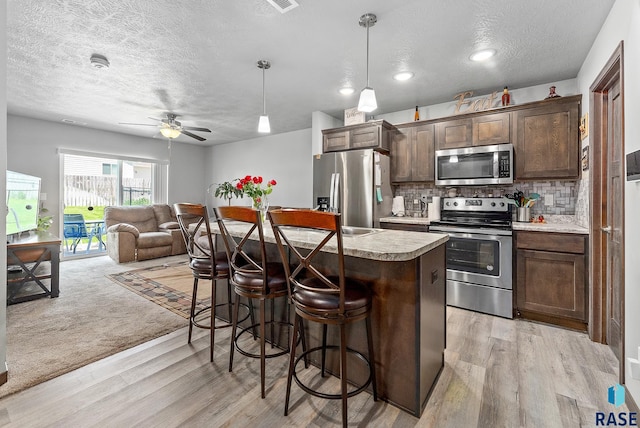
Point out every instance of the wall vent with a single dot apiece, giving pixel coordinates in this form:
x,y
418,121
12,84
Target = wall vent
x,y
283,6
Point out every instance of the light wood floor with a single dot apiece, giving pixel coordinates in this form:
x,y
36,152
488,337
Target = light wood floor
x,y
498,373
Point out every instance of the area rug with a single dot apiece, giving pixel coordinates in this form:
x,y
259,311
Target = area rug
x,y
169,285
91,319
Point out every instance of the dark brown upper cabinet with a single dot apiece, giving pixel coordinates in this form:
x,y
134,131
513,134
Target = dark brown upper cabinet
x,y
547,143
375,134
412,153
479,130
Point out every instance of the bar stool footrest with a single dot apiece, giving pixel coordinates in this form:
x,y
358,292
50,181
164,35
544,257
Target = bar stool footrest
x,y
350,394
197,323
251,327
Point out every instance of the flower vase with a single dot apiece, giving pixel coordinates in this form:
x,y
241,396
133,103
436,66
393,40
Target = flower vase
x,y
262,205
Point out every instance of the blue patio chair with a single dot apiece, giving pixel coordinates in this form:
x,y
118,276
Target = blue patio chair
x,y
74,230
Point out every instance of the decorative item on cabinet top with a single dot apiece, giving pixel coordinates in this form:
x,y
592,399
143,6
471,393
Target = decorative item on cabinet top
x,y
552,93
353,116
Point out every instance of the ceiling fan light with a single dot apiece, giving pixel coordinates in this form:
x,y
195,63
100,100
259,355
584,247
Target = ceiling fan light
x,y
170,132
367,101
263,125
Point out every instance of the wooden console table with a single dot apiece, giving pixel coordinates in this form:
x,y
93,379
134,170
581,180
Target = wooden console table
x,y
31,254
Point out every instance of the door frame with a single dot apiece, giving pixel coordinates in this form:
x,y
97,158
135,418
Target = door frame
x,y
613,69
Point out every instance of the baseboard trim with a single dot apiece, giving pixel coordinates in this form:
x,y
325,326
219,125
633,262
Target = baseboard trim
x,y
4,376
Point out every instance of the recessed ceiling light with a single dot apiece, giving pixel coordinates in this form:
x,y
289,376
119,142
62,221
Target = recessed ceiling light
x,y
347,90
482,55
403,75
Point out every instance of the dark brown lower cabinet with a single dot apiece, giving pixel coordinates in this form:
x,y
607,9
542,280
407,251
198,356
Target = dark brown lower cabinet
x,y
551,278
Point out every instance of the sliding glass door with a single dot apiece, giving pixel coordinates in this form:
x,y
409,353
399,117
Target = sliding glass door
x,y
90,184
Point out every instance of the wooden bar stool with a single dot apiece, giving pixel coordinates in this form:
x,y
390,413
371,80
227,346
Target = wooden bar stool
x,y
253,277
205,263
329,300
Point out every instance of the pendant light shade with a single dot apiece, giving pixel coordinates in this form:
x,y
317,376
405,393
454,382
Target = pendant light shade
x,y
367,102
263,124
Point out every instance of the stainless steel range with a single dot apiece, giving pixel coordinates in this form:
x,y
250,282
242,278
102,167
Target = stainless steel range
x,y
479,257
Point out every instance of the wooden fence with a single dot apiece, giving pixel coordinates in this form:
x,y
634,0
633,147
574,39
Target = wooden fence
x,y
84,190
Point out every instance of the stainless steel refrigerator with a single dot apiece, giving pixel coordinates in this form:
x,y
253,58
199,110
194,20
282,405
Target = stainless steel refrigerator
x,y
355,183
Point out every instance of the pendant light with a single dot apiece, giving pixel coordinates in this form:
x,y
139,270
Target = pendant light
x,y
367,101
263,123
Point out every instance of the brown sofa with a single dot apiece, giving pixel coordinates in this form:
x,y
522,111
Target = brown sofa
x,y
142,232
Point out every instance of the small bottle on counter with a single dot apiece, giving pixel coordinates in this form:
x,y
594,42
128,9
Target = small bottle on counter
x,y
416,116
506,97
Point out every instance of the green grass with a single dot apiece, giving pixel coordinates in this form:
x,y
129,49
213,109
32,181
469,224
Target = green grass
x,y
96,214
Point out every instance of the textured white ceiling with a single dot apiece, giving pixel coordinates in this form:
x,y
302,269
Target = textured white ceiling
x,y
198,58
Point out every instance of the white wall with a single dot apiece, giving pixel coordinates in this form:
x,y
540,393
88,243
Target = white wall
x,y
623,24
32,146
285,158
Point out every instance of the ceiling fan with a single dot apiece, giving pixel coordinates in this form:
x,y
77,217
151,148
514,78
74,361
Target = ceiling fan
x,y
171,128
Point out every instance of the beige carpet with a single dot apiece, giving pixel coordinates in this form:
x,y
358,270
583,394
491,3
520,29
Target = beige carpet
x,y
93,318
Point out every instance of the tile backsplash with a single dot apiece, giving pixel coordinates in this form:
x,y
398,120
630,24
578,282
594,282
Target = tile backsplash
x,y
565,195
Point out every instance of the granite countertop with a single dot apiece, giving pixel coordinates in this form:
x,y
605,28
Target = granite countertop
x,y
379,244
554,223
405,220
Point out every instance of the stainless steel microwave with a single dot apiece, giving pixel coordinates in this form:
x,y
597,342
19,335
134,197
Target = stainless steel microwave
x,y
473,166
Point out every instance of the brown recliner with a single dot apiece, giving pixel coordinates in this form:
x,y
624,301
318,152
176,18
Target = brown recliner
x,y
142,232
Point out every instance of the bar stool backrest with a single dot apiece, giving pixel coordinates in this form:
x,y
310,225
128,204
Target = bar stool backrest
x,y
242,261
193,221
301,272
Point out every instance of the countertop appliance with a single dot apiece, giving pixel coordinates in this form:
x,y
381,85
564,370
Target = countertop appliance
x,y
473,166
357,184
478,254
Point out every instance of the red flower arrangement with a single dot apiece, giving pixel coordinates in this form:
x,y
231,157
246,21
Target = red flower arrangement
x,y
252,187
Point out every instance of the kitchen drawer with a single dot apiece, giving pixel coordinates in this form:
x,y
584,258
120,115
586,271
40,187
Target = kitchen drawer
x,y
411,227
557,242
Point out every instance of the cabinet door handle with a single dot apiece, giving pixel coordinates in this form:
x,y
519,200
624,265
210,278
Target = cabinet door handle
x,y
606,229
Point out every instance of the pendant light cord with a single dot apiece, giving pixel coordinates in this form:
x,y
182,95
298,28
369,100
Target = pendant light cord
x,y
264,98
367,53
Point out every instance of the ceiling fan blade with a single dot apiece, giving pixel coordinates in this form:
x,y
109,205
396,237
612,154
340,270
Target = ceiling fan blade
x,y
189,134
137,124
153,118
194,128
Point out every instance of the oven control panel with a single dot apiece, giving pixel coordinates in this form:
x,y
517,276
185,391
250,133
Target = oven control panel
x,y
475,204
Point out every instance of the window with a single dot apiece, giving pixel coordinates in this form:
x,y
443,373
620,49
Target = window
x,y
109,169
93,181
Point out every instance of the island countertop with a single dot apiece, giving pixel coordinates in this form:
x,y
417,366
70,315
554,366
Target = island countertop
x,y
366,243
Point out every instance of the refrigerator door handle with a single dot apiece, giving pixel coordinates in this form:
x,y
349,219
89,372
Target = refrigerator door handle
x,y
333,183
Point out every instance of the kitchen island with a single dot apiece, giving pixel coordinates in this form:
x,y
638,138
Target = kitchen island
x,y
406,271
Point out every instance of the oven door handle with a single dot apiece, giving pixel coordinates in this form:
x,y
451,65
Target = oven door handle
x,y
453,231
